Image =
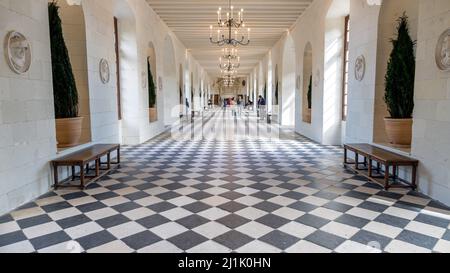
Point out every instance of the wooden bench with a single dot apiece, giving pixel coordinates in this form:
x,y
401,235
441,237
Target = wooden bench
x,y
380,156
83,158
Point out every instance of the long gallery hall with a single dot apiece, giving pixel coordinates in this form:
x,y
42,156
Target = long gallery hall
x,y
225,126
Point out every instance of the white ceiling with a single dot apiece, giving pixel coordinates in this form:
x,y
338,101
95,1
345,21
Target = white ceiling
x,y
190,21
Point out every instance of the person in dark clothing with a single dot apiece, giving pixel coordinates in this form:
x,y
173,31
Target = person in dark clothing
x,y
249,105
187,107
261,107
261,101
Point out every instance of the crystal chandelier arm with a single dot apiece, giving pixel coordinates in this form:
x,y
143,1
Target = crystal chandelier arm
x,y
241,42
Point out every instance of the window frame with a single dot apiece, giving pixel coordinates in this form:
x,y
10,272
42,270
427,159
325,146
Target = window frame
x,y
345,69
118,84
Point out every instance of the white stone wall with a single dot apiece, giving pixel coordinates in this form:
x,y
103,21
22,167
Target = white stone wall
x,y
156,34
387,22
100,44
314,28
361,97
371,27
27,125
74,31
431,132
308,28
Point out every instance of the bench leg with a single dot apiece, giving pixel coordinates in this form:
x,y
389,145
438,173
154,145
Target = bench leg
x,y
345,156
82,176
73,173
395,172
109,160
356,161
414,177
97,167
118,157
55,174
386,177
370,167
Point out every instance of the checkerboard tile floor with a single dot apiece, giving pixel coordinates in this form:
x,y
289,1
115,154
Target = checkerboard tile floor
x,y
288,195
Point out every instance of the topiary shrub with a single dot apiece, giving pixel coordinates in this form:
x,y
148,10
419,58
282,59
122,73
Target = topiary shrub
x,y
265,91
277,90
309,94
400,75
65,91
151,86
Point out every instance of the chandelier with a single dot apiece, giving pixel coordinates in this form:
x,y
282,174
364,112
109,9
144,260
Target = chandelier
x,y
229,64
228,80
229,71
230,54
225,28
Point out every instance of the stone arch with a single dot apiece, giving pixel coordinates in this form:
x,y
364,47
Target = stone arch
x,y
261,79
192,91
170,90
288,85
181,89
269,80
276,82
128,72
255,88
276,95
333,72
390,11
151,59
307,81
74,30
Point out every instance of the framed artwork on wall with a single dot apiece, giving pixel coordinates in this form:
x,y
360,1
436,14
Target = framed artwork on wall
x,y
104,71
17,52
360,68
443,51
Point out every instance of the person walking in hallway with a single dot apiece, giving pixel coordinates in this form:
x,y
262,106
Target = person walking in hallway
x,y
240,105
187,108
261,107
233,107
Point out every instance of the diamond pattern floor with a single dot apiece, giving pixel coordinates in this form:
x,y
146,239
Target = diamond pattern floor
x,y
249,195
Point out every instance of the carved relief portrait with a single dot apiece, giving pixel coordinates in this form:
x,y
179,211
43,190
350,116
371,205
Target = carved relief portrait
x,y
104,71
360,68
18,52
443,51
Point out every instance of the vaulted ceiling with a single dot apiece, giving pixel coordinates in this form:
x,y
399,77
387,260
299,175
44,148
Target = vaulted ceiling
x,y
190,21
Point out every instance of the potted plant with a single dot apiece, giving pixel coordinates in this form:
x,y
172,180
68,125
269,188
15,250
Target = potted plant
x,y
309,101
277,90
399,87
68,123
153,113
276,107
181,103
